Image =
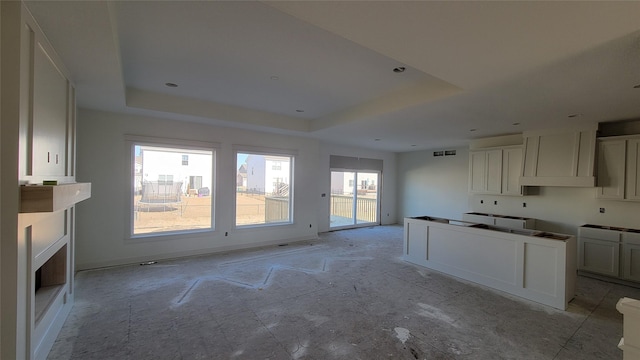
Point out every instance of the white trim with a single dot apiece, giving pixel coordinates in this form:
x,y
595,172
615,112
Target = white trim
x,y
130,142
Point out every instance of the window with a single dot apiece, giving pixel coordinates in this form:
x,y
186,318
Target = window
x,y
171,189
263,194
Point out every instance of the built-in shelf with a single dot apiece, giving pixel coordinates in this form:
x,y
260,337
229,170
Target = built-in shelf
x,y
50,198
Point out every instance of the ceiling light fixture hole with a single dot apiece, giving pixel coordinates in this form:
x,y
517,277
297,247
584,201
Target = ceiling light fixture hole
x,y
172,85
300,110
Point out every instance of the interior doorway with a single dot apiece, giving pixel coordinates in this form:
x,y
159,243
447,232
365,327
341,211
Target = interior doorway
x,y
354,199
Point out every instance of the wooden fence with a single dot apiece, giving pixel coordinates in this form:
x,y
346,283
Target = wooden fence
x,y
276,209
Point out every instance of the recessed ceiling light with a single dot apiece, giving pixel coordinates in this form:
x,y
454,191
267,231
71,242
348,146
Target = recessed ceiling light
x,y
300,110
174,85
515,124
399,69
473,130
275,78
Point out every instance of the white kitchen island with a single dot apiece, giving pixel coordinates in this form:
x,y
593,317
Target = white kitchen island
x,y
535,265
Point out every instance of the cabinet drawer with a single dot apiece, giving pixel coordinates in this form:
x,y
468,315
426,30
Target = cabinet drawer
x,y
480,219
631,237
601,234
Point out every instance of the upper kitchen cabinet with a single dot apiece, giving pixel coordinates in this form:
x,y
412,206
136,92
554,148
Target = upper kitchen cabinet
x,y
632,187
495,171
559,157
47,105
619,168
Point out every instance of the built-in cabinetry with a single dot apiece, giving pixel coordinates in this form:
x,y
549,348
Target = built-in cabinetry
x,y
535,265
609,251
619,168
512,222
559,157
38,117
495,171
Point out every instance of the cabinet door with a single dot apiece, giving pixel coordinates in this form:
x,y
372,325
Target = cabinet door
x,y
611,169
633,170
511,169
50,105
631,261
478,172
494,171
599,256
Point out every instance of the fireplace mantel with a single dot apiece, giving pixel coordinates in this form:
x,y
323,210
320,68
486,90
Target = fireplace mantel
x,y
50,198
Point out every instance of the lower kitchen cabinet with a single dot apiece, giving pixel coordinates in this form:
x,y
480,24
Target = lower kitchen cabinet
x,y
599,256
609,251
631,256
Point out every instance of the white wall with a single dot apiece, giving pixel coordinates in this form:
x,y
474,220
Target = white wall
x,y
437,186
429,185
103,159
387,192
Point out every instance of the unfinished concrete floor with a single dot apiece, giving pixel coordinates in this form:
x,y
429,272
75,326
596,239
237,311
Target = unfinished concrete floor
x,y
347,295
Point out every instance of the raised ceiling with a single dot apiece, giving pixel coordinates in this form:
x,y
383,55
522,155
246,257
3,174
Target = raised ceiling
x,y
324,69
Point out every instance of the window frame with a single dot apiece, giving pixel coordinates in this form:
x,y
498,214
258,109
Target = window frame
x,y
131,141
252,150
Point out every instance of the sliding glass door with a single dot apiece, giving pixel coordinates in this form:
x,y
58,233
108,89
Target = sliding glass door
x,y
354,199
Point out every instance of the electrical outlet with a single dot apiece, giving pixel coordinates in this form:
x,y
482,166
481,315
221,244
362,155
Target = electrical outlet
x,y
524,204
481,201
226,233
601,210
495,202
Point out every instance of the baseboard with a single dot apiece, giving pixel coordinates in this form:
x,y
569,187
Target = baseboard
x,y
183,254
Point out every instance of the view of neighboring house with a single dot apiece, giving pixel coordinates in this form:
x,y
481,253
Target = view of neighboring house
x,y
167,165
266,174
342,183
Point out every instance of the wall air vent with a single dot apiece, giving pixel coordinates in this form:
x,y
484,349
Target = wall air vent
x,y
444,153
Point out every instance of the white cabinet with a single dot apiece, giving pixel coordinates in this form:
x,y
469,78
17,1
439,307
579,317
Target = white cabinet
x,y
50,114
619,168
631,255
48,127
609,251
512,222
511,167
559,157
632,187
495,171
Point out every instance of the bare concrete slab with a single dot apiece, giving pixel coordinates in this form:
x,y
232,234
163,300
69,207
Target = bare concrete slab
x,y
346,296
